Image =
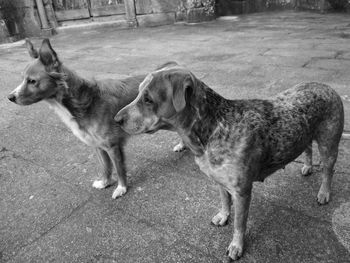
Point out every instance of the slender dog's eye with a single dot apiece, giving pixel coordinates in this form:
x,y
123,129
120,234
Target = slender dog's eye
x,y
31,81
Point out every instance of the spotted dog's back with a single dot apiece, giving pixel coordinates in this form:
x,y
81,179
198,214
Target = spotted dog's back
x,y
271,133
307,112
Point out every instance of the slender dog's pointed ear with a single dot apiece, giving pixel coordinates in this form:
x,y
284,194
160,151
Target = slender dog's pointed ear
x,y
31,50
181,90
57,75
47,55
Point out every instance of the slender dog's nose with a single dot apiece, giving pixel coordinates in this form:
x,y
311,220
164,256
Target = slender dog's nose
x,y
12,97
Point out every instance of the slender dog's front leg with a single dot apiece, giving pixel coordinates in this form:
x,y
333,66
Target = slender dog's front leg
x,y
241,205
221,218
107,168
117,156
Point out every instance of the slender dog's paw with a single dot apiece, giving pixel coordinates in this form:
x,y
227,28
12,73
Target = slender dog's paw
x,y
235,250
100,184
179,147
220,219
306,170
119,191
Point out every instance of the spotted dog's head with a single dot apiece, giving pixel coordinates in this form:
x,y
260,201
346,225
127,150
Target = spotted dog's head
x,y
163,95
41,77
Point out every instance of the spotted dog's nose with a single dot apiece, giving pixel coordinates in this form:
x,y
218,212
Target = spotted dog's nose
x,y
12,97
119,118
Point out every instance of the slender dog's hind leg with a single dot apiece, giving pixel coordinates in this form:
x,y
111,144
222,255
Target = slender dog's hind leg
x,y
117,156
107,168
221,218
179,147
307,167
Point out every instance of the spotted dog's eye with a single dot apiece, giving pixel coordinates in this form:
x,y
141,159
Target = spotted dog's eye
x,y
31,81
147,100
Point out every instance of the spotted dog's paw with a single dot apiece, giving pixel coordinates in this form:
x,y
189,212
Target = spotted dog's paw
x,y
235,250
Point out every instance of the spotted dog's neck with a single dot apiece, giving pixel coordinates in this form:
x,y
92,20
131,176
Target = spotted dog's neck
x,y
200,118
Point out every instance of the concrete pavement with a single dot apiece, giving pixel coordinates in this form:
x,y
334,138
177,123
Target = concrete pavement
x,y
50,213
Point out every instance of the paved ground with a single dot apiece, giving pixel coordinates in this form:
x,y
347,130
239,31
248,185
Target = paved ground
x,y
50,213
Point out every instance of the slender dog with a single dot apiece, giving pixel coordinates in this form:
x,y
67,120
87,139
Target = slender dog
x,y
237,142
86,107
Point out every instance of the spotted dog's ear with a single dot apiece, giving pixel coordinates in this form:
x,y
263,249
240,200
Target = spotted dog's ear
x,y
47,55
182,88
31,50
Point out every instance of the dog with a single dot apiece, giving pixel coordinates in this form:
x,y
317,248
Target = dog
x,y
87,107
237,142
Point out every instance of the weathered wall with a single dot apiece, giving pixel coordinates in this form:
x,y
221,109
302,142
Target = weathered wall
x,y
324,5
17,20
176,10
312,4
231,7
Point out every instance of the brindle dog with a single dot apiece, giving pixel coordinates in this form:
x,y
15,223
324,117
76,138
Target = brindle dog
x,y
237,142
87,107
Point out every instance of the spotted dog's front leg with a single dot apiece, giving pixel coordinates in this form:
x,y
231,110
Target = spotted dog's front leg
x,y
107,168
241,205
221,218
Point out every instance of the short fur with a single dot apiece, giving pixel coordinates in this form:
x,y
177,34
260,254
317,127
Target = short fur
x,y
237,142
87,107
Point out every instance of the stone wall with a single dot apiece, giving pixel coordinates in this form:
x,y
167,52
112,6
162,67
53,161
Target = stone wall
x,y
319,5
199,10
174,10
19,18
231,7
324,5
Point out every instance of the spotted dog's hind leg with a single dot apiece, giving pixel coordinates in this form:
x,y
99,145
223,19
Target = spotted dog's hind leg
x,y
307,167
328,155
328,135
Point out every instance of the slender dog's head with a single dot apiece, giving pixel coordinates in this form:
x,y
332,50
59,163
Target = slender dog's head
x,y
163,96
41,78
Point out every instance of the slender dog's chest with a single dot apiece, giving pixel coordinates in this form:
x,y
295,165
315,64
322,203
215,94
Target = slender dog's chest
x,y
87,136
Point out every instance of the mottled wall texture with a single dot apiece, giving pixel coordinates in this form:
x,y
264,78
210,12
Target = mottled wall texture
x,y
17,20
183,10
